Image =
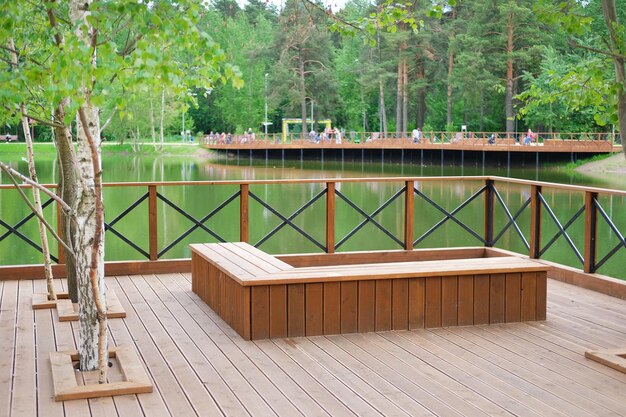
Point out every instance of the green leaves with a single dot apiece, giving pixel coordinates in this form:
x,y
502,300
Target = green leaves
x,y
140,46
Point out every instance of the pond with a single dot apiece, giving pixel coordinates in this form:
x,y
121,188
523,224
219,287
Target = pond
x,y
198,201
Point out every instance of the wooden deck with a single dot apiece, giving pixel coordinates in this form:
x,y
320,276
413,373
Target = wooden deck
x,y
201,367
583,147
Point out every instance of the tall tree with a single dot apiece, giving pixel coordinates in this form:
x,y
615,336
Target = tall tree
x,y
304,60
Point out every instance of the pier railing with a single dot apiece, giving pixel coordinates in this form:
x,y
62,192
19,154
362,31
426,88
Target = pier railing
x,y
548,139
153,222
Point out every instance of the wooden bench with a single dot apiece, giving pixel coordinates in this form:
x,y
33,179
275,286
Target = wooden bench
x,y
262,297
8,138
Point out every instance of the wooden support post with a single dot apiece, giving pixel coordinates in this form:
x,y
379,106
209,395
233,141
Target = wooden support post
x,y
243,213
591,232
330,217
489,209
153,223
535,222
61,233
409,210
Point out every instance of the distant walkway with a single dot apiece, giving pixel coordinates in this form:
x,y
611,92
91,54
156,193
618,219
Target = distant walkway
x,y
590,143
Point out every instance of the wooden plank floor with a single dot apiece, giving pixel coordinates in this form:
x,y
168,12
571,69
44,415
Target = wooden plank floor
x,y
201,367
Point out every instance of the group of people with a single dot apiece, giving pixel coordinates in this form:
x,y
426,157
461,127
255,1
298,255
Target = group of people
x,y
328,135
221,138
227,138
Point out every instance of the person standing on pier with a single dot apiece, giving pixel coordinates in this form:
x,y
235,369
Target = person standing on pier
x,y
416,134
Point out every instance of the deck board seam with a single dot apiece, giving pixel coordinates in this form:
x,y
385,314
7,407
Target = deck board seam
x,y
142,325
558,393
218,372
194,384
430,387
210,315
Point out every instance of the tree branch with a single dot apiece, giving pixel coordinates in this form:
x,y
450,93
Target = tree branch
x,y
104,126
575,44
6,168
331,15
38,119
11,172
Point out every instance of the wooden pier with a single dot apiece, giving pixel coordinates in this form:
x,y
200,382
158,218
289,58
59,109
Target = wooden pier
x,y
201,367
583,143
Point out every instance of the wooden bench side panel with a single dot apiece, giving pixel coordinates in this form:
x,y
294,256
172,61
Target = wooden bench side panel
x,y
465,311
400,304
316,308
278,311
384,305
260,312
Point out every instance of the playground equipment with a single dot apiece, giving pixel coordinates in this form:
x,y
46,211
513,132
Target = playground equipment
x,y
294,121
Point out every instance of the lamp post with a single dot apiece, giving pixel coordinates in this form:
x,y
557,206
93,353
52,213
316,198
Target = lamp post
x,y
311,113
265,123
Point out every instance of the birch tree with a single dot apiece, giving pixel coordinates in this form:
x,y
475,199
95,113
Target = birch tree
x,y
69,55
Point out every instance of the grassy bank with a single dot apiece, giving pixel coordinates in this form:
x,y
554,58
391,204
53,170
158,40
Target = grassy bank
x,y
112,149
571,166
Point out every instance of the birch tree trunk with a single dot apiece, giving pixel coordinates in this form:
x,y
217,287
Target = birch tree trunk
x,y
161,138
68,176
152,122
68,190
45,248
89,239
89,244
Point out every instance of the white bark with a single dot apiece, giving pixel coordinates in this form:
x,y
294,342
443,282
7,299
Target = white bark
x,y
89,238
162,117
152,121
45,248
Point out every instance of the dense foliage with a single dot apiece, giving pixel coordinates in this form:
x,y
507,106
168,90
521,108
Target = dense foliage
x,y
490,65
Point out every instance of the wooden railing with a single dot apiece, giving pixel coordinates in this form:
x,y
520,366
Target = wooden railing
x,y
549,139
534,201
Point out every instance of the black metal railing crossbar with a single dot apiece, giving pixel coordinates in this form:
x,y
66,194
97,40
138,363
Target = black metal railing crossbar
x,y
620,237
13,230
450,215
109,226
512,219
196,223
369,218
125,212
287,221
562,229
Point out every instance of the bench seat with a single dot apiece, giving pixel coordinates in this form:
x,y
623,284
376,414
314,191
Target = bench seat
x,y
263,297
393,270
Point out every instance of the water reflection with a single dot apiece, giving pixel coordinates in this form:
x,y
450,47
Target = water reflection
x,y
287,199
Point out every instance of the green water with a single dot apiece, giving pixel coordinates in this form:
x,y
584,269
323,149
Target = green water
x,y
199,201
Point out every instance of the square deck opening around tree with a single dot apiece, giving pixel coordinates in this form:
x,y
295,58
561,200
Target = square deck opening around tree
x,y
614,358
126,376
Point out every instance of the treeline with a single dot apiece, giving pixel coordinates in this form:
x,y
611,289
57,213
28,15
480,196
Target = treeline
x,y
490,65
